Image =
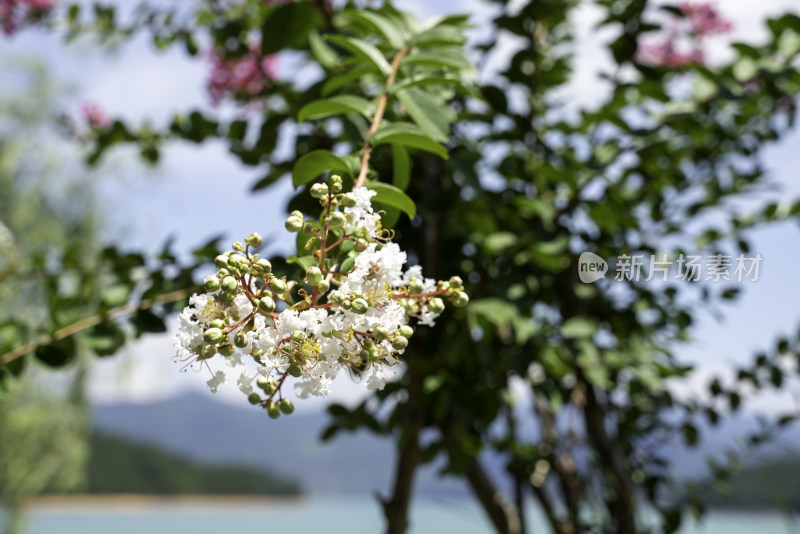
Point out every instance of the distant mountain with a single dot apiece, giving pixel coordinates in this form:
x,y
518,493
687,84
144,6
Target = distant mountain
x,y
199,428
119,465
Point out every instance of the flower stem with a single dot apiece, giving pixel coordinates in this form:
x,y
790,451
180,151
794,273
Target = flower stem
x,y
377,118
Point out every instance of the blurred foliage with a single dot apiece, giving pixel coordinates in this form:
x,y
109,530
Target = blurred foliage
x,y
656,164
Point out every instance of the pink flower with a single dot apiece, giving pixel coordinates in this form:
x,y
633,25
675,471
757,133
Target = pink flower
x,y
242,78
15,13
683,44
95,116
704,19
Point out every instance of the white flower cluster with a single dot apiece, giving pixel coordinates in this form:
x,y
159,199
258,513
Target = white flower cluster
x,y
360,326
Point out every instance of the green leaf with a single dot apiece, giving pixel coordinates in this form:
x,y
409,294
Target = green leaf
x,y
287,26
408,135
303,261
500,241
147,321
363,50
392,196
383,25
439,36
335,105
346,78
105,339
443,59
316,163
116,295
323,53
578,327
401,167
427,112
425,79
58,353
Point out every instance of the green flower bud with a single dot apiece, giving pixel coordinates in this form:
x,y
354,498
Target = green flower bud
x,y
236,262
456,282
278,285
380,333
349,200
264,265
286,406
416,286
268,386
254,398
460,299
406,331
211,284
360,232
221,261
336,297
399,342
229,284
436,305
240,340
227,350
217,323
337,219
319,190
313,275
254,240
294,224
322,286
226,297
297,213
295,370
267,305
213,336
361,245
273,410
206,351
443,286
359,306
237,246
298,336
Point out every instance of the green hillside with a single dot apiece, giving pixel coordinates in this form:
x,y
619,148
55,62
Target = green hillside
x,y
772,485
118,465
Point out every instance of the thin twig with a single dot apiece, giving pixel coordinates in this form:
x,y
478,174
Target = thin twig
x,y
94,320
378,118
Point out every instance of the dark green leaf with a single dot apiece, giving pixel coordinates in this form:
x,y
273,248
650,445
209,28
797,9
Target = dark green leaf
x,y
335,105
407,135
392,196
288,26
401,166
363,50
427,112
316,163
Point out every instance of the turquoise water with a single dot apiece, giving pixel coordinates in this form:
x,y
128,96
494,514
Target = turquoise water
x,y
331,516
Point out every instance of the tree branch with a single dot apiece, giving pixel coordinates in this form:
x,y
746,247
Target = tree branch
x,y
502,513
94,320
377,118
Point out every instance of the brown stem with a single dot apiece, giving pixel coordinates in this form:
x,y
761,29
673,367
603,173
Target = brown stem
x,y
377,118
504,516
94,320
396,508
622,503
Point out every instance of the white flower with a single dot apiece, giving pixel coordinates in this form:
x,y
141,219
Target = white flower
x,y
243,305
216,381
245,383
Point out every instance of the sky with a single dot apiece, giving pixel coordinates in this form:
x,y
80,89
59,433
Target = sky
x,y
185,195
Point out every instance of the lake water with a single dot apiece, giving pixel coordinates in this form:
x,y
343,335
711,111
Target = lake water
x,y
329,515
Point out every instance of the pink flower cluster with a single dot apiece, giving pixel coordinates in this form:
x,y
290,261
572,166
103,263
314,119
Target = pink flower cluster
x,y
15,13
684,42
704,19
241,78
95,115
